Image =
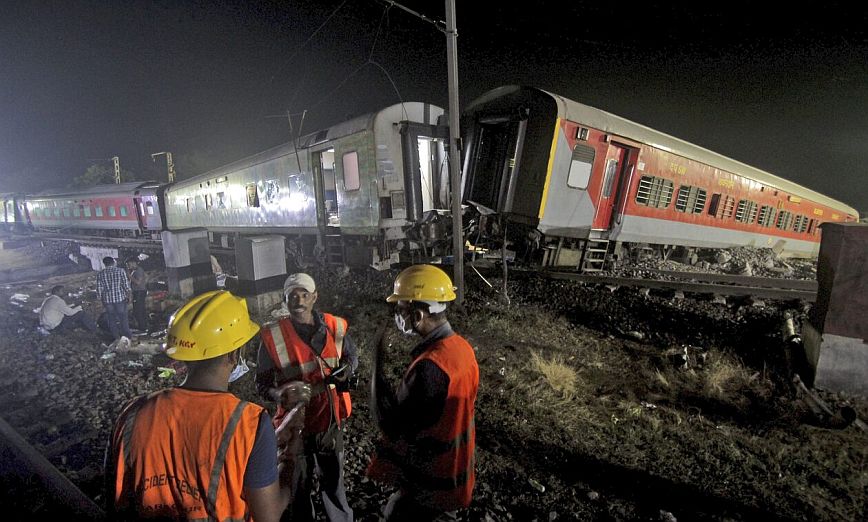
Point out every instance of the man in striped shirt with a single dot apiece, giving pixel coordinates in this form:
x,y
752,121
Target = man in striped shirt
x,y
113,289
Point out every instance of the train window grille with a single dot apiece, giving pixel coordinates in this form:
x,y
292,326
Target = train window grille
x,y
801,224
746,212
351,170
785,220
654,192
767,215
728,207
580,166
690,199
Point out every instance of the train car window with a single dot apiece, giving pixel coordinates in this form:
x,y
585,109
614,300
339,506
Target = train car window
x,y
207,201
65,211
149,207
98,211
37,212
252,195
767,215
654,192
713,205
76,212
272,191
690,199
609,178
801,224
123,209
746,211
191,204
580,166
87,211
812,226
56,212
728,207
111,211
223,200
785,220
351,171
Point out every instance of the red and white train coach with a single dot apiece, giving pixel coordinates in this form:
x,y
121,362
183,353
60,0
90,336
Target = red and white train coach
x,y
126,209
574,177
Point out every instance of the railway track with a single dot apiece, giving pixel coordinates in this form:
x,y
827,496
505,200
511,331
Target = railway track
x,y
706,283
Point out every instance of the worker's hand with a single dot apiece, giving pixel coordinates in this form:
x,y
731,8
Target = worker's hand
x,y
293,393
339,377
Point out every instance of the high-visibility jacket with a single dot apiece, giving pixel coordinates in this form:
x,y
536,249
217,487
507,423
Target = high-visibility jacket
x,y
298,362
437,464
181,454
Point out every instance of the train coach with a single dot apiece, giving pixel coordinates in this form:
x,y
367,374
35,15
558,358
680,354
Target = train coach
x,y
129,209
578,185
14,217
360,192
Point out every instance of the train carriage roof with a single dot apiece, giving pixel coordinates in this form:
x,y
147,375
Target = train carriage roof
x,y
121,189
610,123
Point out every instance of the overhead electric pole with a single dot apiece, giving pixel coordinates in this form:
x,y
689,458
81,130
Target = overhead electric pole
x,y
117,163
453,151
169,164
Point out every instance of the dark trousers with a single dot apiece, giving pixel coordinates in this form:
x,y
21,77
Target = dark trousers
x,y
79,319
402,505
329,467
118,320
140,311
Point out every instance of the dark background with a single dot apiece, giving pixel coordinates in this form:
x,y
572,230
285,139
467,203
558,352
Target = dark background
x,y
780,87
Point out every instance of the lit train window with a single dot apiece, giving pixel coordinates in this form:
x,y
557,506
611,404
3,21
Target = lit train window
x,y
690,199
37,212
580,166
98,211
87,211
56,211
767,215
746,211
654,192
76,212
111,211
65,211
123,209
351,171
252,195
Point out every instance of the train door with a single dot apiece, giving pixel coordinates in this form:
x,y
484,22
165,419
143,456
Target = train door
x,y
323,165
617,171
139,205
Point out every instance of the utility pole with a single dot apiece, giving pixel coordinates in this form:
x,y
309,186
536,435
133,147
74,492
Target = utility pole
x,y
452,150
117,163
169,164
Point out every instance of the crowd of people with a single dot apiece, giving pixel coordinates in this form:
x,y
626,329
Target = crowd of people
x,y
198,452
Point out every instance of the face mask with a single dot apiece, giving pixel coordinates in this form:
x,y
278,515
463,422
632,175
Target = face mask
x,y
239,370
403,327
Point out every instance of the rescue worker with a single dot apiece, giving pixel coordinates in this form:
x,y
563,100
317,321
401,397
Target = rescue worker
x,y
315,348
428,443
197,452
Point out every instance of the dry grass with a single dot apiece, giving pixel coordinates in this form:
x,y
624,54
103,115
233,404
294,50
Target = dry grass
x,y
725,377
560,377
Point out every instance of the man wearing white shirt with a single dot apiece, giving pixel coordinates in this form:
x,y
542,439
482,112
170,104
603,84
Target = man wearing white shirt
x,y
54,312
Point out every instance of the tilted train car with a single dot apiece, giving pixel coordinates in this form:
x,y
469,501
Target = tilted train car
x,y
127,209
576,183
14,214
358,192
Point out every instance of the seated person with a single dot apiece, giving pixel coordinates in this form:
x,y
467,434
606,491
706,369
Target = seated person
x,y
55,314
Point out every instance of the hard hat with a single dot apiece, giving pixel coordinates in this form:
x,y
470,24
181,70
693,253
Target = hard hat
x,y
422,283
209,325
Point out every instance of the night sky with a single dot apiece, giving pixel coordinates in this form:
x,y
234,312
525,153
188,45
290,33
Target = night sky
x,y
212,82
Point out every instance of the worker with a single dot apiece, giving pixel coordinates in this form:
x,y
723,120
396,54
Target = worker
x,y
313,347
196,451
428,436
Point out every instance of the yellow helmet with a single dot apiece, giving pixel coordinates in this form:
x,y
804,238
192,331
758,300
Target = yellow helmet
x,y
422,283
209,325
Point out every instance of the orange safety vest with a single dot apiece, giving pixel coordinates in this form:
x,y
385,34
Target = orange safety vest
x,y
182,454
439,462
298,362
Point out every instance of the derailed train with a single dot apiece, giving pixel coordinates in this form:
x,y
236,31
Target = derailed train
x,y
562,183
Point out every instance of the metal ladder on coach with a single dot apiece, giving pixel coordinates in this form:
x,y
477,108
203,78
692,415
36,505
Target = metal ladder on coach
x,y
595,256
334,247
